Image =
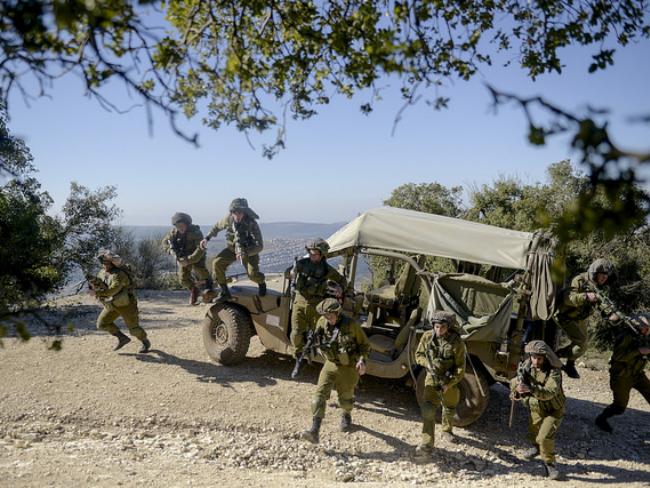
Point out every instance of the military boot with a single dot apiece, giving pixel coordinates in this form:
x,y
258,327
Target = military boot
x,y
311,435
602,424
346,422
424,450
262,289
531,453
194,295
570,369
122,340
146,346
551,471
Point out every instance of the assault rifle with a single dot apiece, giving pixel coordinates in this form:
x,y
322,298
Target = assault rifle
x,y
439,381
523,378
92,282
607,306
311,347
175,248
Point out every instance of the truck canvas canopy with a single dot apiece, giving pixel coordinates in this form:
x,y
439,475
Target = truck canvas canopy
x,y
414,232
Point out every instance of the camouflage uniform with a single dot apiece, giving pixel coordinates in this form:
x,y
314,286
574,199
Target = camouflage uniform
x,y
546,402
574,309
119,300
246,236
186,248
311,288
447,367
343,345
626,371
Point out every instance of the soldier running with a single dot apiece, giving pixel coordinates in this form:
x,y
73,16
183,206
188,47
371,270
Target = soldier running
x,y
577,303
626,369
539,385
115,289
183,242
441,352
345,347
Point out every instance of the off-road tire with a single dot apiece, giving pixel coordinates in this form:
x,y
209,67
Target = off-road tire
x,y
227,334
472,403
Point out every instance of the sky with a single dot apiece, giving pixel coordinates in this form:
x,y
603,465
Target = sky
x,y
335,165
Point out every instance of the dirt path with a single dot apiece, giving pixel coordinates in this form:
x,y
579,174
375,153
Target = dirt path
x,y
87,416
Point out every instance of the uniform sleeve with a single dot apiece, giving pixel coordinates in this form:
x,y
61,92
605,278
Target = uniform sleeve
x,y
548,390
625,349
337,277
362,341
576,297
165,241
118,282
421,351
257,238
218,227
194,239
459,363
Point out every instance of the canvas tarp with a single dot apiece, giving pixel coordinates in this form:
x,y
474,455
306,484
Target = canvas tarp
x,y
433,235
483,308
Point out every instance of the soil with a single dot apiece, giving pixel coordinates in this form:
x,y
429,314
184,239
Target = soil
x,y
89,416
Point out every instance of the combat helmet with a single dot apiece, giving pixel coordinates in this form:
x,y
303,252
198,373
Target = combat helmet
x,y
181,217
543,349
320,245
107,255
600,266
329,305
241,205
440,316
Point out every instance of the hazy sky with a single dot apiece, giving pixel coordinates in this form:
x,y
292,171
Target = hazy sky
x,y
336,165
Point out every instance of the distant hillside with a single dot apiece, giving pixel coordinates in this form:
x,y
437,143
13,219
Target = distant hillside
x,y
271,230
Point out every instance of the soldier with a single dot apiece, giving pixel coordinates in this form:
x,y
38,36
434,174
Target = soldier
x,y
345,347
441,352
115,289
183,242
539,384
243,243
576,305
631,351
310,276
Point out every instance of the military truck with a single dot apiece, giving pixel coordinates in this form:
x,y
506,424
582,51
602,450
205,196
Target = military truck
x,y
491,314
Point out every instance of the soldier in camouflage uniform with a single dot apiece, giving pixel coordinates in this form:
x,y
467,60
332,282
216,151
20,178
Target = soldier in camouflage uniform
x,y
115,289
243,243
539,385
441,352
183,242
626,369
310,276
345,347
577,303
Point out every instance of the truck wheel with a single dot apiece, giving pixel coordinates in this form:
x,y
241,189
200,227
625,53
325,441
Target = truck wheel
x,y
227,334
472,403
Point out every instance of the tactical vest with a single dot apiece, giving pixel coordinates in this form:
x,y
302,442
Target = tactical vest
x,y
185,244
626,360
338,345
443,352
538,377
241,234
126,295
311,281
567,310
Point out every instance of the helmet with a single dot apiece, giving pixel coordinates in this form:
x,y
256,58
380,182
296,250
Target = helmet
x,y
179,217
329,305
600,266
641,320
107,255
440,316
319,245
541,348
238,205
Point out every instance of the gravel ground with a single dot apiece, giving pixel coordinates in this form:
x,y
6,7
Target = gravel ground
x,y
88,416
